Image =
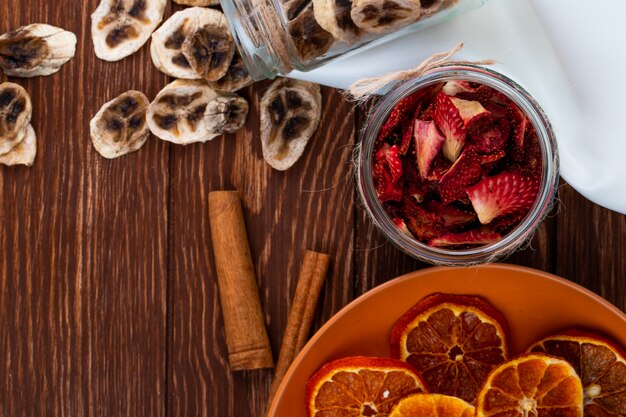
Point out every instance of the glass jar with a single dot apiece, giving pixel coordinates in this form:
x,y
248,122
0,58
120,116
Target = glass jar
x,y
275,37
517,236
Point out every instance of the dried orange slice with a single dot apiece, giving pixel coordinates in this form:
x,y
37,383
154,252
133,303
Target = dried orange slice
x,y
454,341
432,405
601,365
360,387
533,385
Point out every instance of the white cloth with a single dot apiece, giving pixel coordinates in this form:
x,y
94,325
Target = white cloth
x,y
569,54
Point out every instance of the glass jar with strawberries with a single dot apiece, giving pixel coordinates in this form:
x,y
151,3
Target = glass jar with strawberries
x,y
458,166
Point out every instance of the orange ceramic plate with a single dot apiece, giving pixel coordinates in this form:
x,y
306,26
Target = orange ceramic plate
x,y
534,302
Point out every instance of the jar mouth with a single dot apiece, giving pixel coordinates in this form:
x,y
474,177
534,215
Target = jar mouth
x,y
548,183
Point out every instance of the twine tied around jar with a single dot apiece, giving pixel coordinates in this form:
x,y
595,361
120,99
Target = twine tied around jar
x,y
363,89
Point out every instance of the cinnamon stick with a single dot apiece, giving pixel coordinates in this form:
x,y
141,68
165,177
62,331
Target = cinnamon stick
x,y
308,289
246,336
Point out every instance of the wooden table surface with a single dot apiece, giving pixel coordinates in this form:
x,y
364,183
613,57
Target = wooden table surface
x,y
108,297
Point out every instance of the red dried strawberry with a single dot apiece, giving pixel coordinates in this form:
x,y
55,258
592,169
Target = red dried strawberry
x,y
471,237
427,114
492,157
531,165
453,217
504,194
387,173
465,171
452,88
428,142
470,111
405,109
401,225
494,101
439,168
520,122
422,223
488,135
504,224
449,120
414,186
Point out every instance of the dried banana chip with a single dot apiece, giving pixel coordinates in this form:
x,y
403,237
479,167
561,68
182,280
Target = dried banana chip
x,y
24,153
309,38
293,8
290,114
236,78
430,7
202,3
209,50
35,50
120,27
120,126
167,44
226,113
16,110
334,16
177,113
382,16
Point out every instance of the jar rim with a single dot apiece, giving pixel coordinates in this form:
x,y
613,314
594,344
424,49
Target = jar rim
x,y
549,178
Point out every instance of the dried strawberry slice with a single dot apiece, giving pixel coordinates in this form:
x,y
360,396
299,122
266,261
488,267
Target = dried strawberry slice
x,y
470,111
427,114
414,186
471,237
407,130
428,142
453,217
504,194
452,88
464,172
422,223
492,157
387,173
439,168
401,225
488,135
405,109
532,161
449,120
494,101
520,122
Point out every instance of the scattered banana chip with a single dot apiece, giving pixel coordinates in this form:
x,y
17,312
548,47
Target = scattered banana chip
x,y
226,113
202,3
383,16
177,113
35,50
334,17
198,25
120,27
236,78
16,110
24,153
290,114
120,126
209,51
309,38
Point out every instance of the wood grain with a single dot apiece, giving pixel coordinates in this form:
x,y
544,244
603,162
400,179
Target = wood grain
x,y
591,243
286,214
108,295
83,246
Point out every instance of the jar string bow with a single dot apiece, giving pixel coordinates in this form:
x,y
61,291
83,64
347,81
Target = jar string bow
x,y
362,89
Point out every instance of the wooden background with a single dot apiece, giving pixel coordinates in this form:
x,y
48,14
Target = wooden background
x,y
108,298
